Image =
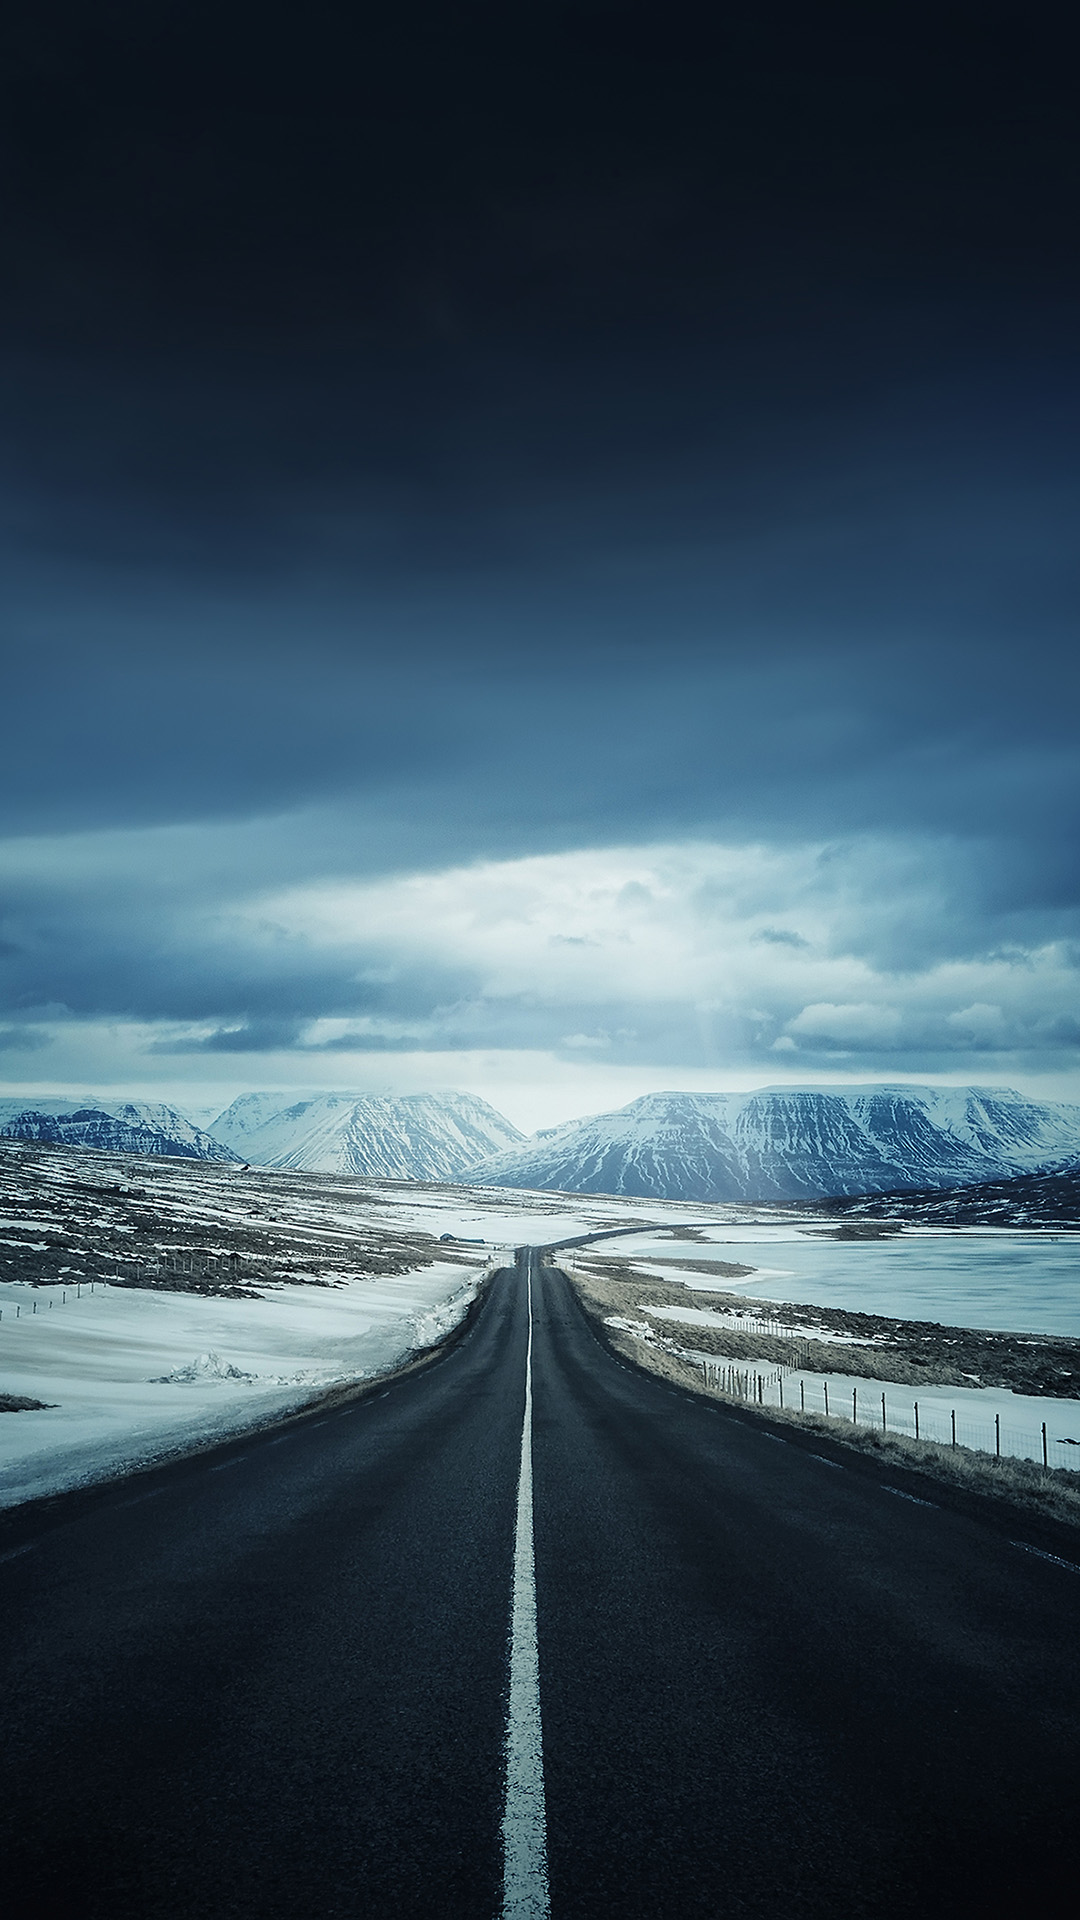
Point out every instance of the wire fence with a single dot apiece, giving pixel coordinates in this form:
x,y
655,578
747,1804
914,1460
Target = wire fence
x,y
24,1309
166,1263
187,1262
866,1405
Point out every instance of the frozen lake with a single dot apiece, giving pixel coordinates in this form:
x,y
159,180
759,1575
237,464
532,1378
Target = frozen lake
x,y
1002,1279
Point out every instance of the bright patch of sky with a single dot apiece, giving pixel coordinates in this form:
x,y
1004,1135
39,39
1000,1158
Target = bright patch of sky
x,y
551,984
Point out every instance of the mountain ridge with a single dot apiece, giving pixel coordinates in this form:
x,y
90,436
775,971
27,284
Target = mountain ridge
x,y
110,1126
794,1143
416,1136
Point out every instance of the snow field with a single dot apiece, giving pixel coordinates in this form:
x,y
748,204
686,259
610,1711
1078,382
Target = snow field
x,y
102,1361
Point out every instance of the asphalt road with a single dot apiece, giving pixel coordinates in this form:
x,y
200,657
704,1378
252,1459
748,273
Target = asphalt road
x,y
272,1680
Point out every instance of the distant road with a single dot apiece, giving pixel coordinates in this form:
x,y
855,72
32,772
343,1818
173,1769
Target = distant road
x,y
272,1680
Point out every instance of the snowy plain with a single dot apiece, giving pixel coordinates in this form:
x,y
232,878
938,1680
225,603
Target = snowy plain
x,y
102,1360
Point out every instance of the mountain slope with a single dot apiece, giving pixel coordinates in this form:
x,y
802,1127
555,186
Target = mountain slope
x,y
419,1136
124,1126
794,1143
1028,1200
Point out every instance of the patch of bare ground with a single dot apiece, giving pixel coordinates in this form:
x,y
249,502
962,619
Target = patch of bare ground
x,y
910,1353
20,1403
726,1269
1052,1492
189,1226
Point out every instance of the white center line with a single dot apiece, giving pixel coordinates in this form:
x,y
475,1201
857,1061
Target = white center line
x,y
525,1875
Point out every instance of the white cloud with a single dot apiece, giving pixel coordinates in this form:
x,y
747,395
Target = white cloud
x,y
979,1022
852,1023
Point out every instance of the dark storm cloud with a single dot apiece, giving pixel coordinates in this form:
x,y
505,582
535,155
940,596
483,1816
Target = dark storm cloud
x,y
359,172
159,951
501,431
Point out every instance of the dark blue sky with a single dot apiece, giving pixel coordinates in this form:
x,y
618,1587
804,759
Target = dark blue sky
x,y
486,442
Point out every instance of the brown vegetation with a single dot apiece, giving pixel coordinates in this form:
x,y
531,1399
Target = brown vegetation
x,y
190,1226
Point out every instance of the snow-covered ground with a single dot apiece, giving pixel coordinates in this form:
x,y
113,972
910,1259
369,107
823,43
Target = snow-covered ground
x,y
748,1323
112,1364
501,1214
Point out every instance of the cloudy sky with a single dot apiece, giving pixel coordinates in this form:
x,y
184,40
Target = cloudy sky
x,y
539,548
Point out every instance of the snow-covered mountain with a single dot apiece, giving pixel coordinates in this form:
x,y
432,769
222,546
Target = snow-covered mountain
x,y
240,1122
794,1143
420,1136
114,1126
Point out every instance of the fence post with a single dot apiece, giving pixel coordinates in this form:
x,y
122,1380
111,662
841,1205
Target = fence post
x,y
802,1396
780,1387
997,1435
825,1384
884,1422
1046,1462
854,1404
916,1419
954,1426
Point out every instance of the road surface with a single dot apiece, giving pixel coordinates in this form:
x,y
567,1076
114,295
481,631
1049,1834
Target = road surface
x,y
273,1680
